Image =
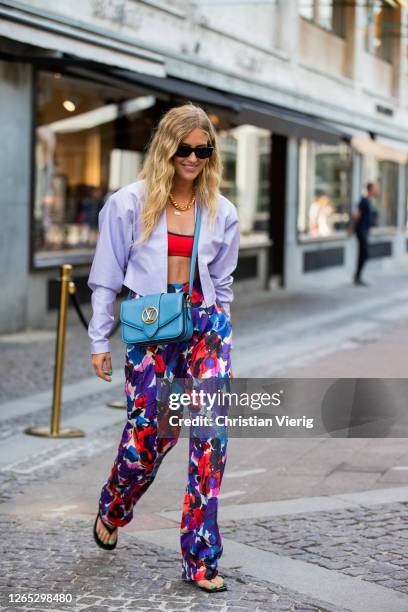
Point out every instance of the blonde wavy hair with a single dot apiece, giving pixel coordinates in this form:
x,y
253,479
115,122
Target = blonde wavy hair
x,y
158,170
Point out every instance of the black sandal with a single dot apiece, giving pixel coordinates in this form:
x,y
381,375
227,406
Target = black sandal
x,y
110,529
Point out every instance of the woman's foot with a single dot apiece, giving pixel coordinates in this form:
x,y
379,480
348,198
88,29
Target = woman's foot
x,y
104,534
218,581
211,585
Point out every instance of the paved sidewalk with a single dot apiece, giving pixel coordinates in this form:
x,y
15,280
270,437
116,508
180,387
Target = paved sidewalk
x,y
291,327
307,524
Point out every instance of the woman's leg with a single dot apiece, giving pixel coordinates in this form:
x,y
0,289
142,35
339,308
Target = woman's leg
x,y
201,541
209,367
141,449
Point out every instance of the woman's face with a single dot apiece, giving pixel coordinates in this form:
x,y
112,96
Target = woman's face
x,y
188,168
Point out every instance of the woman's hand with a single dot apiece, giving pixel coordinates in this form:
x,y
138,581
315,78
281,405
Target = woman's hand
x,y
102,365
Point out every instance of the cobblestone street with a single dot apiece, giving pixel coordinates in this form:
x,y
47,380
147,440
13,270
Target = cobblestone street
x,y
58,556
367,543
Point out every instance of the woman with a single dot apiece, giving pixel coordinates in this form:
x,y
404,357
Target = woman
x,y
145,243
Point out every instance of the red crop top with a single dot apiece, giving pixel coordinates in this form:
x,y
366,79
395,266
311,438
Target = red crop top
x,y
180,244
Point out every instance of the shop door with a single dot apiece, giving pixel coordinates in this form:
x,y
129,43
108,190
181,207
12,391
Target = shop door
x,y
278,169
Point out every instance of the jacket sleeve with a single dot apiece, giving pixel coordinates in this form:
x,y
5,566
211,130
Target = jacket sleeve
x,y
108,269
225,262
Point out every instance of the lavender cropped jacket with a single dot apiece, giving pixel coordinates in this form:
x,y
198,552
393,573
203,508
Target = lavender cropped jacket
x,y
143,268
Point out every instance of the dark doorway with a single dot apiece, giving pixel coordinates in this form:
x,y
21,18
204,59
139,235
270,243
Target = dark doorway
x,y
278,169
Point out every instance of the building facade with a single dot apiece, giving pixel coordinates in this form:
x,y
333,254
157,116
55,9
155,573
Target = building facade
x,y
309,99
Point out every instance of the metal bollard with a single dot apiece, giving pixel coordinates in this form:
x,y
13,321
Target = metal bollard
x,y
67,287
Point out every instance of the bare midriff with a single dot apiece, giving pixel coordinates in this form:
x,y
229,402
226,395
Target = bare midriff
x,y
178,270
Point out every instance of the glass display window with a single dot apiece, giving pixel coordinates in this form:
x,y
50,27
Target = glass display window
x,y
325,173
89,140
385,173
246,156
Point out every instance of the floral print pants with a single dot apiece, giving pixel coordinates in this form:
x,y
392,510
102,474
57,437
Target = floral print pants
x,y
151,372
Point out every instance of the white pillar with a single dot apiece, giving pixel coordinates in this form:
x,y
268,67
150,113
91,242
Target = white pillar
x,y
247,174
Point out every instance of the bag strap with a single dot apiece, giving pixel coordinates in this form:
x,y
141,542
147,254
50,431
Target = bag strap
x,y
195,249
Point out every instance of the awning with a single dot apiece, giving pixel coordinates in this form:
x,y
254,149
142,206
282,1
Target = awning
x,y
138,82
179,88
287,122
381,148
398,145
244,110
376,145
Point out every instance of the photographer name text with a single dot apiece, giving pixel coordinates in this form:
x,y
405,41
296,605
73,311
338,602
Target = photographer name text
x,y
241,421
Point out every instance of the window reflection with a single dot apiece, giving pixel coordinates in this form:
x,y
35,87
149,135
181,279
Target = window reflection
x,y
263,202
246,153
89,142
228,145
386,174
324,189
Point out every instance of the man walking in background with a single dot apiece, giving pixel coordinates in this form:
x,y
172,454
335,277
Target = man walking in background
x,y
363,221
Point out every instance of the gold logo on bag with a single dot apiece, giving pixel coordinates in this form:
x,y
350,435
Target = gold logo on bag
x,y
150,314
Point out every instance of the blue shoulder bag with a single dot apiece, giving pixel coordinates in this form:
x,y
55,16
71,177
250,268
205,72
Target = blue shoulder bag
x,y
160,318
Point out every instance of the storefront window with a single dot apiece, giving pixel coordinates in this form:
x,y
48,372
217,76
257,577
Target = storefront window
x,y
264,174
264,192
324,189
246,154
386,174
89,142
387,201
228,146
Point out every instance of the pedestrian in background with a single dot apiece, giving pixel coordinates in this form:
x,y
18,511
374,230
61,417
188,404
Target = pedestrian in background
x,y
182,170
362,221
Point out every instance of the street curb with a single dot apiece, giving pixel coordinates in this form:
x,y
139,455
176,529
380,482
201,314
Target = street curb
x,y
302,577
305,504
75,391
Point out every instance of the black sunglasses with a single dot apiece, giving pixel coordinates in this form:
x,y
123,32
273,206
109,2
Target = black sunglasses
x,y
201,152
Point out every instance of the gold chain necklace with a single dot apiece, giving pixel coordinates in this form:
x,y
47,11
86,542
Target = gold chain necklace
x,y
179,206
